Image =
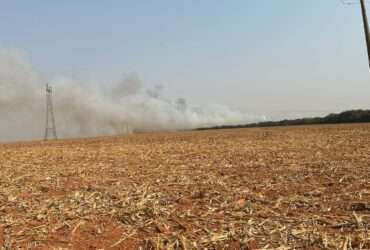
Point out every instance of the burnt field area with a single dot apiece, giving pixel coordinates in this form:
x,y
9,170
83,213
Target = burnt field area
x,y
271,188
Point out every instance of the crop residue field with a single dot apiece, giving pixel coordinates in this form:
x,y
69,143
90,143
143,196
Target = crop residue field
x,y
294,187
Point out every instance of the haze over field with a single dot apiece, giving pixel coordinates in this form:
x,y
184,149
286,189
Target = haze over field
x,y
89,108
232,62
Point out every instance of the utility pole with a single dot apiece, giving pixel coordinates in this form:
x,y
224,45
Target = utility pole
x,y
366,28
50,129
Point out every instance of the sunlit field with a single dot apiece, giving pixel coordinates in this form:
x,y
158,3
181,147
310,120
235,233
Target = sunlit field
x,y
287,188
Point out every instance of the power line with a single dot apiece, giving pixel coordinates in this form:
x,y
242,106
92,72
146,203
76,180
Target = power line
x,y
346,2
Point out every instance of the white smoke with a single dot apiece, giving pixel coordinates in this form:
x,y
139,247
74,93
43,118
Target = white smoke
x,y
90,109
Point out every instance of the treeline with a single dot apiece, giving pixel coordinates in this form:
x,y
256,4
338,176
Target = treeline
x,y
352,116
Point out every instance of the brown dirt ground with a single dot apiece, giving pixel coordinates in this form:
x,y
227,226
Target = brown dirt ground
x,y
273,188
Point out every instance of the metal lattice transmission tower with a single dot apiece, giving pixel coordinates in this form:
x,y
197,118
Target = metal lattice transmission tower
x,y
50,128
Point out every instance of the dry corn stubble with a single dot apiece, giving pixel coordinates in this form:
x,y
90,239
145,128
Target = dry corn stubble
x,y
280,188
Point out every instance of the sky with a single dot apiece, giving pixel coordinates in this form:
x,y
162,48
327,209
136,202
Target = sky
x,y
280,58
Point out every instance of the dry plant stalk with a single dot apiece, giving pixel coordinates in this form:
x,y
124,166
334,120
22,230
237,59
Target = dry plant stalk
x,y
273,188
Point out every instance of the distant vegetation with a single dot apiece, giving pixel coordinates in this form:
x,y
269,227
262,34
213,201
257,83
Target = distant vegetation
x,y
352,116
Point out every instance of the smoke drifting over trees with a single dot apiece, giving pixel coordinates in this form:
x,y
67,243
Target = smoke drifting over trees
x,y
91,109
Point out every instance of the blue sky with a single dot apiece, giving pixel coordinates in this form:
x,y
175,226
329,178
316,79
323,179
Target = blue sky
x,y
257,55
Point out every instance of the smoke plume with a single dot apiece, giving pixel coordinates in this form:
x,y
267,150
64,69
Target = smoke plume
x,y
90,109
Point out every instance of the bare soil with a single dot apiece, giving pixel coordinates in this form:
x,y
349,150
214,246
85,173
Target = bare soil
x,y
271,188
